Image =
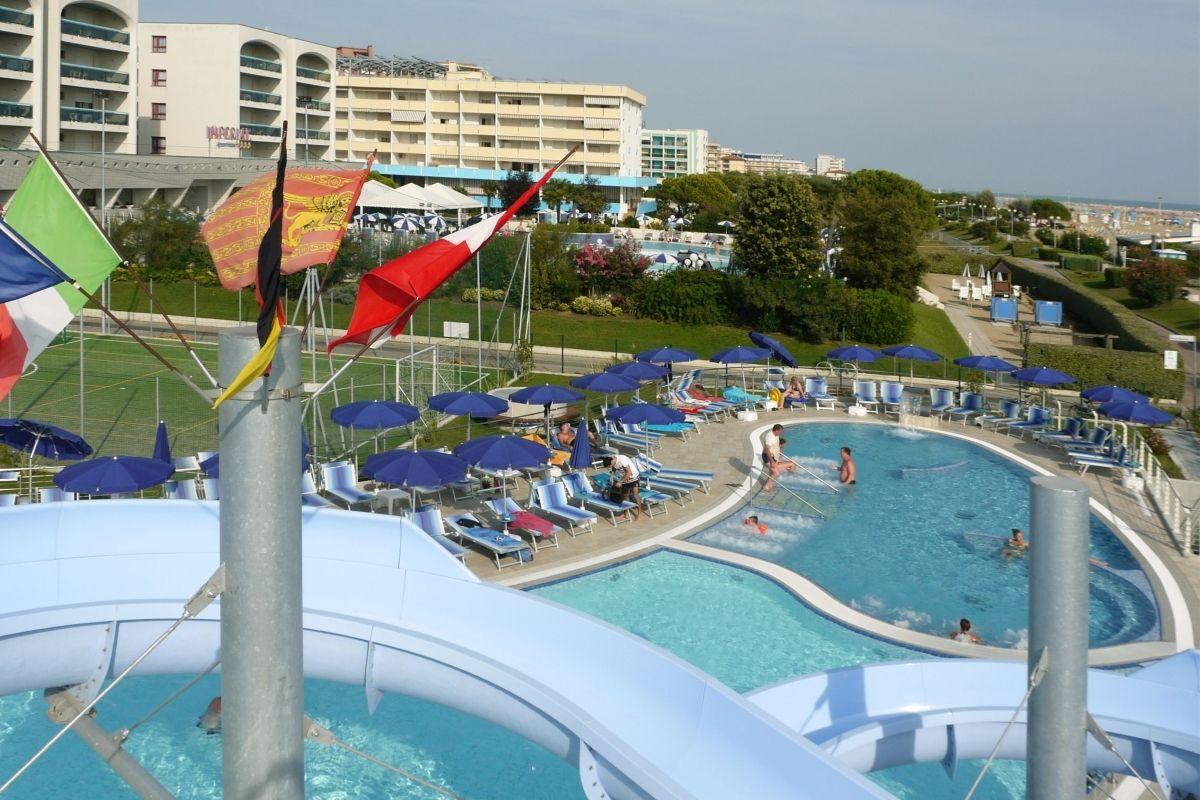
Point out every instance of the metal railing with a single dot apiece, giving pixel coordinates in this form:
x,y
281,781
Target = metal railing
x,y
16,63
21,110
312,134
252,96
791,492
14,17
92,115
88,30
264,64
308,102
85,73
261,130
1181,520
315,74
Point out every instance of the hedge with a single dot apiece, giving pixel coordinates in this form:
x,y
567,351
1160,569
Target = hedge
x,y
1097,366
1078,262
1114,277
1095,312
1023,249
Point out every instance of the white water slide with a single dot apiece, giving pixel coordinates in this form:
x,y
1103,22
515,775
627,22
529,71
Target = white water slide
x,y
86,586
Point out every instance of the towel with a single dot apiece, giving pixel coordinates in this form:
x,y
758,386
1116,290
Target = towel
x,y
533,523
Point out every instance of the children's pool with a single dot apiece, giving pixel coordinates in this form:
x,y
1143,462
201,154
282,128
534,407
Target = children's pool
x,y
917,542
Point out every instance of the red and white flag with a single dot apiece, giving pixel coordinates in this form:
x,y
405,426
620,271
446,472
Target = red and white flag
x,y
389,294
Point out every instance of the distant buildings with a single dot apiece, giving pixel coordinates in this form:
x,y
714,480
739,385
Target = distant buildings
x,y
672,152
726,159
831,166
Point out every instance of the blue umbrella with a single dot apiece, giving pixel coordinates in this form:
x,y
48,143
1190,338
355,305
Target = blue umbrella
x,y
638,370
43,439
546,395
1136,412
162,445
727,224
113,474
581,448
772,344
606,382
503,453
1110,394
1042,376
374,414
911,352
985,363
468,404
853,352
664,258
211,466
415,468
740,355
665,355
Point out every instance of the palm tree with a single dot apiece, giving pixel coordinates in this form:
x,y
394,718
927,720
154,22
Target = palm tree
x,y
555,193
490,189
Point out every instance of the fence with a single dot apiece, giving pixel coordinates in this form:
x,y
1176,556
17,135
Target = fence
x,y
1182,521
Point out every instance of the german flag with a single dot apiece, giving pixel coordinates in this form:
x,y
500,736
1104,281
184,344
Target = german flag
x,y
267,287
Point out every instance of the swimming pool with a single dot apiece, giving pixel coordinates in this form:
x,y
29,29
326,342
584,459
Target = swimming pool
x,y
917,542
719,260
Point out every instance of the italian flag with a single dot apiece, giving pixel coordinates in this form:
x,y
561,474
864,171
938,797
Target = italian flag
x,y
48,215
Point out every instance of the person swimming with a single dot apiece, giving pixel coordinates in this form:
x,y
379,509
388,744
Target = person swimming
x,y
754,525
210,720
1016,545
964,633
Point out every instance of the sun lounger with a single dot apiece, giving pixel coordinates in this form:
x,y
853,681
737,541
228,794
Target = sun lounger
x,y
970,404
53,494
697,394
578,488
550,498
429,520
678,429
650,496
468,528
1039,419
818,392
541,531
709,409
212,488
701,478
341,481
1010,411
309,496
964,293
742,398
7,499
866,394
614,437
186,464
1119,460
892,396
941,400
181,490
1074,432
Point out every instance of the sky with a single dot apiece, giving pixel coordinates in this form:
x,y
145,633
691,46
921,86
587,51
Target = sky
x,y
1081,98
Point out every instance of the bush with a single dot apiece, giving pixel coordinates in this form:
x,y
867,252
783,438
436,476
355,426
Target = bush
x,y
1022,249
693,297
1155,282
812,308
610,270
1093,311
984,230
469,295
879,317
594,306
1114,277
1095,366
1079,263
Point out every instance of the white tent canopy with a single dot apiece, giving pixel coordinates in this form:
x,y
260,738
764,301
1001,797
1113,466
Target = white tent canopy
x,y
376,195
442,196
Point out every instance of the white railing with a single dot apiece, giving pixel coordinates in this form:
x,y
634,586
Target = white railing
x,y
1181,520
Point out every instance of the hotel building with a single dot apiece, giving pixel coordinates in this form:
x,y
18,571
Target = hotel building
x,y
671,152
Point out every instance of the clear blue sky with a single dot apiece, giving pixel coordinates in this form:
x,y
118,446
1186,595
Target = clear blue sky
x,y
1090,98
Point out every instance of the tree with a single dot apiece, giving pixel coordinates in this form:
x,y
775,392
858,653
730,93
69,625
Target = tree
x,y
880,234
379,177
1155,282
554,279
1084,243
1045,208
555,193
986,199
778,227
1021,206
165,241
735,181
490,190
589,197
884,184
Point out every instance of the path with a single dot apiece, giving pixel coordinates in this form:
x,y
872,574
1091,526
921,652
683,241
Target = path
x,y
973,321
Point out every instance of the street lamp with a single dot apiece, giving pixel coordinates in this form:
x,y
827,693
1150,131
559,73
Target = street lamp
x,y
103,95
307,106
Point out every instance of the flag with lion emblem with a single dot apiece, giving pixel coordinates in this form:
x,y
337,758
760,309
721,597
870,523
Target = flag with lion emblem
x,y
317,204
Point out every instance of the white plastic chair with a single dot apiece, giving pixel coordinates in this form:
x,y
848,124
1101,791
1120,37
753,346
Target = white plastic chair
x,y
955,285
976,295
963,293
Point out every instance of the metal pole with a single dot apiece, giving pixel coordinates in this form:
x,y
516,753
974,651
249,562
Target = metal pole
x,y
1058,624
103,175
479,310
82,391
262,747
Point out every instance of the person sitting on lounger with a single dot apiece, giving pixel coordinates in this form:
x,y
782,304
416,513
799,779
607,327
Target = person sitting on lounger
x,y
566,435
794,393
964,633
752,524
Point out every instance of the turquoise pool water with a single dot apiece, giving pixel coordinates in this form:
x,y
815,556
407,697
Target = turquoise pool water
x,y
917,542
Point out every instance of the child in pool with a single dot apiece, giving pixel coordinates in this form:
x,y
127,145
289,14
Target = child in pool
x,y
754,525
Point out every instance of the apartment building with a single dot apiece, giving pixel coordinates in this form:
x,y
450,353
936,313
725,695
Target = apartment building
x,y
672,152
831,164
67,74
456,122
769,163
226,89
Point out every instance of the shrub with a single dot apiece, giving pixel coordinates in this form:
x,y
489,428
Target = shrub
x,y
610,270
1022,249
594,306
1093,311
811,308
469,295
879,317
1095,366
693,297
1114,277
1079,262
1155,282
984,230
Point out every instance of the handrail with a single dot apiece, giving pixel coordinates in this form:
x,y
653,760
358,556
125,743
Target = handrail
x,y
821,480
1181,520
790,491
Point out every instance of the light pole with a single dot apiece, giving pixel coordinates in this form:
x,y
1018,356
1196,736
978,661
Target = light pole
x,y
103,147
307,106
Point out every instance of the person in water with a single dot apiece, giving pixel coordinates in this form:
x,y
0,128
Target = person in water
x,y
847,470
210,720
1016,545
964,633
772,456
751,522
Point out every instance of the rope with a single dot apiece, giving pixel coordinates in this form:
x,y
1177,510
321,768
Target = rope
x,y
1101,736
124,733
206,594
322,735
1034,679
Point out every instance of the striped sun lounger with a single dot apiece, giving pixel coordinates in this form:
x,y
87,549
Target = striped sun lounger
x,y
519,520
651,498
429,520
468,528
550,498
578,488
698,477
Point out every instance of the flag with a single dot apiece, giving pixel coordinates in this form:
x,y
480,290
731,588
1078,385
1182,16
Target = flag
x,y
268,287
388,295
23,270
48,216
317,204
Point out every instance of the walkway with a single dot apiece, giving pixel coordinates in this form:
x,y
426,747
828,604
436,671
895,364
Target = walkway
x,y
973,320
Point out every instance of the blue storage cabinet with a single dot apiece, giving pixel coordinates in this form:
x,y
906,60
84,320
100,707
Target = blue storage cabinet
x,y
1047,312
1004,309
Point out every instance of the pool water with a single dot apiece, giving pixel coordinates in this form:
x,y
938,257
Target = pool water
x,y
651,249
917,542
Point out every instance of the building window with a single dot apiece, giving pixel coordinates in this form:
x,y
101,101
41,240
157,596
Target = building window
x,y
158,111
158,145
158,44
158,77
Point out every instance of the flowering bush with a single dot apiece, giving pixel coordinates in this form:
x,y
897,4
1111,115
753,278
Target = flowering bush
x,y
1155,282
610,270
469,295
595,306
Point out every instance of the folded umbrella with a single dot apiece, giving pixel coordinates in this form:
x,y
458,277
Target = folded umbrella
x,y
162,444
776,348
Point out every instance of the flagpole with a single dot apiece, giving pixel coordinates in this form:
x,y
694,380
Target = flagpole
x,y
170,322
71,188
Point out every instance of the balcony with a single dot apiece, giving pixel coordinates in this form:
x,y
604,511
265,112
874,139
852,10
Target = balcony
x,y
312,135
18,110
262,130
251,96
16,63
313,74
14,17
92,116
86,30
81,73
312,105
250,62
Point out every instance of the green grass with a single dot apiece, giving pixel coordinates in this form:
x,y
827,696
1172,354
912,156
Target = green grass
x,y
1178,315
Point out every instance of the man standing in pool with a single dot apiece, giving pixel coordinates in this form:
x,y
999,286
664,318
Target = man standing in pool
x,y
847,470
772,456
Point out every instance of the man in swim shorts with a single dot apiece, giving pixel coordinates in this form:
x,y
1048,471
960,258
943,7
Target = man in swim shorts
x,y
847,470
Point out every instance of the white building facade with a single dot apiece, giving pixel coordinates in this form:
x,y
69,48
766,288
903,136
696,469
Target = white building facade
x,y
830,164
225,90
672,152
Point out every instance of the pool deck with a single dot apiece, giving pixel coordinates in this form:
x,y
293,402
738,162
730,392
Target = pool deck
x,y
725,448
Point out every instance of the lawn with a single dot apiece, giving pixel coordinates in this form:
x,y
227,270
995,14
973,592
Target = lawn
x,y
1178,315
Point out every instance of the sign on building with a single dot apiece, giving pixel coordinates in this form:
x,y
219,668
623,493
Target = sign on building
x,y
228,136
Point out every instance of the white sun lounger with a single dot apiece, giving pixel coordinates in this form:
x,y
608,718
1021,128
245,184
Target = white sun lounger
x,y
550,498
